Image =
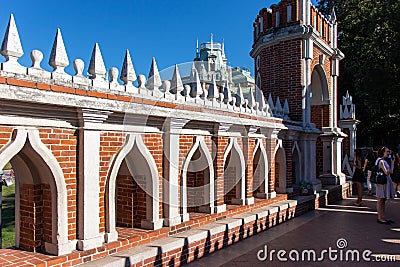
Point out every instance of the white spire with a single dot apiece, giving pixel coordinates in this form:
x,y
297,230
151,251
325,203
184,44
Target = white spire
x,y
271,104
197,47
239,96
97,68
333,16
196,89
223,48
176,83
286,109
128,74
212,42
250,98
154,79
260,98
227,93
58,56
278,106
11,48
213,90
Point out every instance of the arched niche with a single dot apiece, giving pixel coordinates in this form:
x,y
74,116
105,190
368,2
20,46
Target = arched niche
x,y
234,174
40,194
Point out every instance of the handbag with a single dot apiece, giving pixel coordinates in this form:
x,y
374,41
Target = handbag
x,y
377,175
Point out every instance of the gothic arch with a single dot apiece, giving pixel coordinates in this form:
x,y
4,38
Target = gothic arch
x,y
34,162
134,148
297,163
207,164
319,87
237,158
280,162
262,166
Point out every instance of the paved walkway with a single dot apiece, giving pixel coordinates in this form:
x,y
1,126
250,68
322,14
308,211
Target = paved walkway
x,y
355,226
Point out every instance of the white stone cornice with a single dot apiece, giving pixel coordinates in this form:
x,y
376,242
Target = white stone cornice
x,y
93,116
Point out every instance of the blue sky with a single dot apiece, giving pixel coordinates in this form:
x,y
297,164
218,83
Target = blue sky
x,y
166,30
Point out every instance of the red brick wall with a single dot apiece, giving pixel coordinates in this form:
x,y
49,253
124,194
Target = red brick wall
x,y
256,173
248,150
281,74
63,145
229,181
271,143
290,179
110,144
131,202
35,217
5,135
221,144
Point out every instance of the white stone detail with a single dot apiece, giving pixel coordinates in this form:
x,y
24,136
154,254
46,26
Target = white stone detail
x,y
58,57
176,83
128,74
97,69
154,78
11,49
36,69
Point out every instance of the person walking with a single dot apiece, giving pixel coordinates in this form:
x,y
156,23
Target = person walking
x,y
396,174
358,176
384,191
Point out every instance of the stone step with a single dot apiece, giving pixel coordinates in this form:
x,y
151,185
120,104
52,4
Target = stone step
x,y
195,242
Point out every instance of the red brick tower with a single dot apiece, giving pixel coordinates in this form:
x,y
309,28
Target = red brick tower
x,y
296,58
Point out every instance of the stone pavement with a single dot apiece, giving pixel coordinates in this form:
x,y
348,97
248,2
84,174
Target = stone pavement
x,y
319,230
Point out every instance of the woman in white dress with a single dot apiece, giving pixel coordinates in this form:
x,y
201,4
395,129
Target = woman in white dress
x,y
384,191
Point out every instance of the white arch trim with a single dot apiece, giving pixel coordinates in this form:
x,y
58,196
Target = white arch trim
x,y
60,244
259,145
131,141
199,144
282,180
297,149
234,145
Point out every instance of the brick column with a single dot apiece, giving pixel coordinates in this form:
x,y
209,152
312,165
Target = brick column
x,y
89,180
272,137
248,149
220,146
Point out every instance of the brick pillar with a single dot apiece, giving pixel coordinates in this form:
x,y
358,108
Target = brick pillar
x,y
248,149
290,179
271,144
220,143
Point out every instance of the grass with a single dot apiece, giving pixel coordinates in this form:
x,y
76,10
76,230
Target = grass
x,y
8,216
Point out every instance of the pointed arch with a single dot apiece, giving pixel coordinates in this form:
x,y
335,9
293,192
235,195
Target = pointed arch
x,y
319,87
240,183
28,140
209,191
262,165
297,163
280,162
134,143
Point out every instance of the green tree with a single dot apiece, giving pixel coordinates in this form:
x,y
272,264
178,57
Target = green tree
x,y
369,36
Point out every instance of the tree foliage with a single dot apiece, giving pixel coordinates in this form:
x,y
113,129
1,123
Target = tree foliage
x,y
369,36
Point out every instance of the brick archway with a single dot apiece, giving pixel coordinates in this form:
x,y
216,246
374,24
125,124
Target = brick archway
x,y
207,166
260,170
234,173
137,160
280,168
41,194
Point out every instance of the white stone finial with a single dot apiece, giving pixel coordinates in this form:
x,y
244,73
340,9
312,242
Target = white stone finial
x,y
260,99
97,69
36,69
186,90
113,75
142,81
286,109
154,80
36,57
213,92
166,85
58,56
11,49
271,104
79,65
78,78
239,96
196,89
128,74
176,83
250,98
278,106
333,16
227,93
